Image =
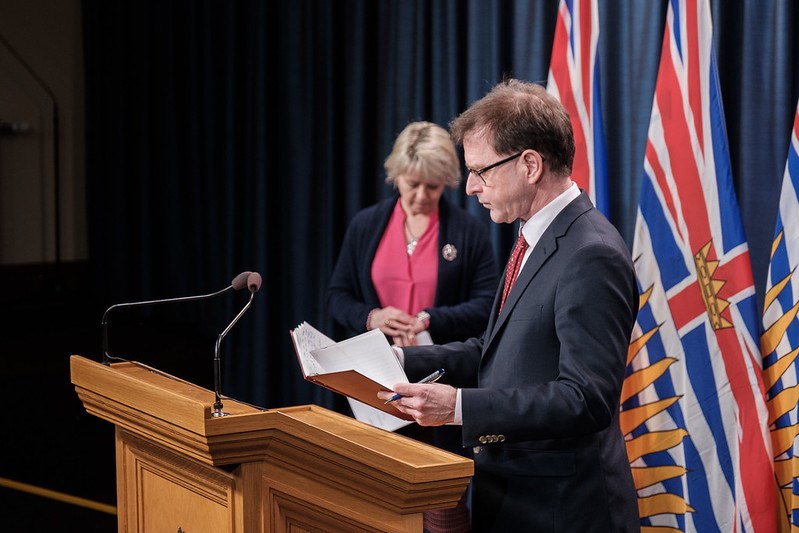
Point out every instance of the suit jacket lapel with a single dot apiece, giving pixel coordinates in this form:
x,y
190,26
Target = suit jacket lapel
x,y
492,318
542,251
547,245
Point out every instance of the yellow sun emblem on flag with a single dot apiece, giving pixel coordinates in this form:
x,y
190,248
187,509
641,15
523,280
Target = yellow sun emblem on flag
x,y
786,465
652,441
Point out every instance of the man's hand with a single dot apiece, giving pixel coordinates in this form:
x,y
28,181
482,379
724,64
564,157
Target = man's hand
x,y
430,405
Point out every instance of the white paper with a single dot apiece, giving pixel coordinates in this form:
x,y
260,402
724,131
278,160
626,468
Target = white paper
x,y
376,417
423,338
307,338
368,353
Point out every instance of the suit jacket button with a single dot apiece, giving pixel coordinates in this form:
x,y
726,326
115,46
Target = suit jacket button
x,y
483,439
502,438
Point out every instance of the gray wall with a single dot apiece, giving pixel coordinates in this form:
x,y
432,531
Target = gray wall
x,y
42,177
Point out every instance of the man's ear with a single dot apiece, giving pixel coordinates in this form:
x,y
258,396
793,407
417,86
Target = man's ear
x,y
534,162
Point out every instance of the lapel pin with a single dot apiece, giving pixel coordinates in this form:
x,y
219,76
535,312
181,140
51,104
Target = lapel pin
x,y
449,252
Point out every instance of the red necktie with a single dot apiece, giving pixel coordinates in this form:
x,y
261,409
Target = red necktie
x,y
514,266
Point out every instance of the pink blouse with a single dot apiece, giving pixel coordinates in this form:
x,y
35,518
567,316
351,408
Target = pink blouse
x,y
408,282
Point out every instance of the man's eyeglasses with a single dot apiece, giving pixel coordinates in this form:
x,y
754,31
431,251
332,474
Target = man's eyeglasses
x,y
479,173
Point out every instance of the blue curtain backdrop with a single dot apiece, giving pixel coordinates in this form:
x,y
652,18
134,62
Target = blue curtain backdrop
x,y
244,135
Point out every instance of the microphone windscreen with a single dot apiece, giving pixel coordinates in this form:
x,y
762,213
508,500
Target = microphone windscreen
x,y
254,281
241,281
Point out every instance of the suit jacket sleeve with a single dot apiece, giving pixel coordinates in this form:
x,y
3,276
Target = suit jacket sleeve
x,y
460,360
351,294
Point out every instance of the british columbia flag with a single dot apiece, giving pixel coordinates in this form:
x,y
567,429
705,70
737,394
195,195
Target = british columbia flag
x,y
780,340
574,80
693,403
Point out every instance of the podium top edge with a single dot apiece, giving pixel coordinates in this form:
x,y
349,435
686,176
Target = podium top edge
x,y
153,392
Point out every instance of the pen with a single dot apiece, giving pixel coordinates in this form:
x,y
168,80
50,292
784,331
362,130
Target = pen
x,y
432,378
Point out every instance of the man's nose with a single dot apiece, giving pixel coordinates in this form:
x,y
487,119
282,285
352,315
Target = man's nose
x,y
473,184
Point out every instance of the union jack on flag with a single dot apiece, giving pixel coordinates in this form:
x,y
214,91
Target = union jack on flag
x,y
693,402
780,340
574,80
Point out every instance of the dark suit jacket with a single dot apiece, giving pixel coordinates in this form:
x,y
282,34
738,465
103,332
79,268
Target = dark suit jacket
x,y
541,388
465,287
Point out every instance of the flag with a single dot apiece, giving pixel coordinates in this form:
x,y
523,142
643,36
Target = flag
x,y
780,340
574,80
693,410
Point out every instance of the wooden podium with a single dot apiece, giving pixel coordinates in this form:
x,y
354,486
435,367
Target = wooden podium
x,y
297,469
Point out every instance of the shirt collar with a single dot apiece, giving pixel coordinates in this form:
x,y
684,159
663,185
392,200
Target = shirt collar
x,y
535,226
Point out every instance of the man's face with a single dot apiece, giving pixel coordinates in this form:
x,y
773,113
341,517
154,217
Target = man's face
x,y
504,190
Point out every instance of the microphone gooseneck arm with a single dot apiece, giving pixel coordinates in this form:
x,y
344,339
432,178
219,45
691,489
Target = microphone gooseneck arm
x,y
239,282
253,283
218,362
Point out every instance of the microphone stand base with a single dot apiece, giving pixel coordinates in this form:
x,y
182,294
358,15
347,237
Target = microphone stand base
x,y
219,413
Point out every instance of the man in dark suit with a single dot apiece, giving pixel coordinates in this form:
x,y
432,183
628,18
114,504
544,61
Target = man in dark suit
x,y
538,394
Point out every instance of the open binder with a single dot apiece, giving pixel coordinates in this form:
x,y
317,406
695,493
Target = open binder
x,y
357,368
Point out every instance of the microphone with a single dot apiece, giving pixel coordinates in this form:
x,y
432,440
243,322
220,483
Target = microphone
x,y
253,282
244,279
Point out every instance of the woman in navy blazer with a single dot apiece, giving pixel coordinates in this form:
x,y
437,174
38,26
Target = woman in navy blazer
x,y
383,277
467,273
467,270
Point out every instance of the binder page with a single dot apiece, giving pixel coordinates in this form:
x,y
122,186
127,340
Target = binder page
x,y
376,417
368,354
307,338
423,338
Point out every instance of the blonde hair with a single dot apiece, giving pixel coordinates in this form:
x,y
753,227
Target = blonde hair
x,y
425,149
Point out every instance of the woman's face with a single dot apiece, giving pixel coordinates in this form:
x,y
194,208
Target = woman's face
x,y
418,195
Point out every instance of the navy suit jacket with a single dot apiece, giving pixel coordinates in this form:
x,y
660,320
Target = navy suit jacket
x,y
541,388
